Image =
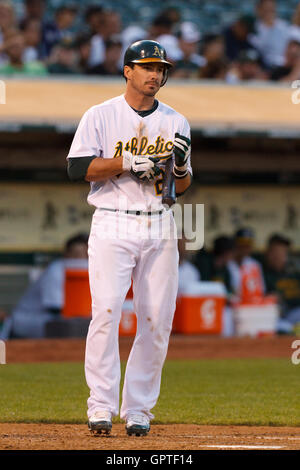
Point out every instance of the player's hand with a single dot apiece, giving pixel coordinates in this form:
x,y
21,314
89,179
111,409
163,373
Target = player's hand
x,y
141,167
181,149
145,168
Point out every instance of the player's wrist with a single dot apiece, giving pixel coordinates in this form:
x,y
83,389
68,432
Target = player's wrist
x,y
180,172
181,167
127,160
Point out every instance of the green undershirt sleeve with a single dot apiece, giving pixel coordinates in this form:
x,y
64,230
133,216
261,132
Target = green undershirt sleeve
x,y
77,167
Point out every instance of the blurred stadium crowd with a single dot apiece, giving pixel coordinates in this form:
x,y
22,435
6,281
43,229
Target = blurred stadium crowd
x,y
205,40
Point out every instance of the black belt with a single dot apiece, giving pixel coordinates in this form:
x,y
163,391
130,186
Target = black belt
x,y
131,212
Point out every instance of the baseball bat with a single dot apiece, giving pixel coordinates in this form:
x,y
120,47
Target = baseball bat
x,y
168,184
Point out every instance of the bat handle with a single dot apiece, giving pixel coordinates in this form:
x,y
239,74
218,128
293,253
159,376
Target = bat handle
x,y
168,187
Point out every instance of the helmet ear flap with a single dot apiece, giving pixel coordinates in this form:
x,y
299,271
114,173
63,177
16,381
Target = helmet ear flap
x,y
165,77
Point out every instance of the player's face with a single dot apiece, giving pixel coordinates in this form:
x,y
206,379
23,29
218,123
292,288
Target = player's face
x,y
146,78
277,256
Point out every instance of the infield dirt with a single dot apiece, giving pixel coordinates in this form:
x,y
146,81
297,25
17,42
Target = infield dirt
x,y
180,347
161,437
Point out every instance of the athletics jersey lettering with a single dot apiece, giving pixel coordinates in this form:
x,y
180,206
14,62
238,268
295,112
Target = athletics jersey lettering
x,y
140,147
108,129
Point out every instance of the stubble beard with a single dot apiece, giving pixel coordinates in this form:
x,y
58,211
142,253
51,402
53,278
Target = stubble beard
x,y
150,93
144,91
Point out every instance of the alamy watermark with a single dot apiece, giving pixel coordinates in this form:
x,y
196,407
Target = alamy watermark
x,y
2,92
296,354
2,352
187,223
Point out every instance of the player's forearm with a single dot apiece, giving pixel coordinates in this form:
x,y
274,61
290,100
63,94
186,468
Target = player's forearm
x,y
104,168
182,184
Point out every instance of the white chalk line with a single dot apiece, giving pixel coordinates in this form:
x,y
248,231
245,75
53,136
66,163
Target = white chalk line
x,y
278,438
220,446
225,436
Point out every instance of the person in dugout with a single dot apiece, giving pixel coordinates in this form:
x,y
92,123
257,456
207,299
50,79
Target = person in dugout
x,y
44,298
282,278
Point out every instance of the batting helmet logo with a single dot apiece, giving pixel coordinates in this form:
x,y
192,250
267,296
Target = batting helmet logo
x,y
157,52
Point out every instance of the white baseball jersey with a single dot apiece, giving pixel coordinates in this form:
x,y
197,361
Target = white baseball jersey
x,y
109,128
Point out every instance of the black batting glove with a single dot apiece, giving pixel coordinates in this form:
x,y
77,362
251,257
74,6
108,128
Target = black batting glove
x,y
181,151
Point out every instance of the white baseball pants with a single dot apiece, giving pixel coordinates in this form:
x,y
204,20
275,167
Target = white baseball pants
x,y
144,249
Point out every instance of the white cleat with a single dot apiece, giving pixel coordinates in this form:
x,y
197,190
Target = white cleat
x,y
100,422
138,425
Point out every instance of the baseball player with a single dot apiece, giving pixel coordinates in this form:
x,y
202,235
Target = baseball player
x,y
120,147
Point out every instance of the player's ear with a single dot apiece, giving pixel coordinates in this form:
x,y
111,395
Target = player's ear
x,y
127,71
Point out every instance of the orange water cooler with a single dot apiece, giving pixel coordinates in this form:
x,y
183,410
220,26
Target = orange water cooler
x,y
199,309
77,294
78,301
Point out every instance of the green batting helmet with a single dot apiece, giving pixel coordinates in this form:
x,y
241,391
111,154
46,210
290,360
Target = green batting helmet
x,y
146,51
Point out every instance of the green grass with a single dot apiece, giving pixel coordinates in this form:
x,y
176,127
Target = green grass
x,y
253,392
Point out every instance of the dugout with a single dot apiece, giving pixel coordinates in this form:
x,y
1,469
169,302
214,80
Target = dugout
x,y
245,159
